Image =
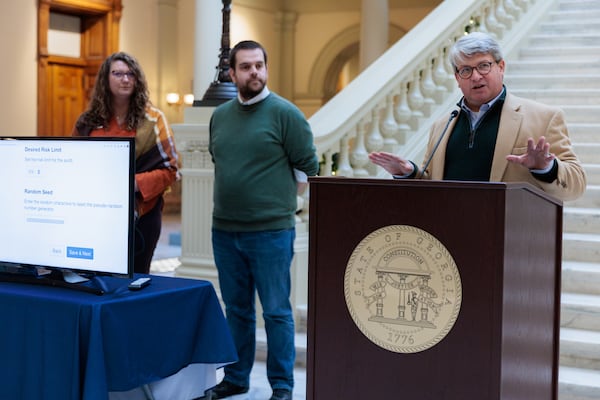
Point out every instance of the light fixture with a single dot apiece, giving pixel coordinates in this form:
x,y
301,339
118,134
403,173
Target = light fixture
x,y
222,88
173,98
188,99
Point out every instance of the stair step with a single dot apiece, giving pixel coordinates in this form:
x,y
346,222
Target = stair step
x,y
561,97
551,66
574,16
592,173
580,348
581,220
578,384
590,199
560,53
584,247
581,281
552,81
564,40
580,311
566,26
583,132
587,152
582,113
577,5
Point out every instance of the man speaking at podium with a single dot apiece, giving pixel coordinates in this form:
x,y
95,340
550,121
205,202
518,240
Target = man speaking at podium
x,y
494,136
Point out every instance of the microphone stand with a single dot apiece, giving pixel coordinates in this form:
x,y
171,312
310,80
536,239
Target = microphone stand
x,y
453,115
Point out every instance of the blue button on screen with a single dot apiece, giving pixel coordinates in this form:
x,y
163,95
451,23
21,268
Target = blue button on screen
x,y
80,252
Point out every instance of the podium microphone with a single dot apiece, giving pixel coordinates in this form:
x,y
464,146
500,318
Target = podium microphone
x,y
453,115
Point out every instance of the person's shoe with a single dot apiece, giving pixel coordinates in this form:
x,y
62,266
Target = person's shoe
x,y
281,394
226,389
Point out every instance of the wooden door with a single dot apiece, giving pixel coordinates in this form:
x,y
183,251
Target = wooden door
x,y
65,83
66,96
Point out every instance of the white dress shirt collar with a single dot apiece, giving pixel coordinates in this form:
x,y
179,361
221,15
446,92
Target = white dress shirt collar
x,y
259,97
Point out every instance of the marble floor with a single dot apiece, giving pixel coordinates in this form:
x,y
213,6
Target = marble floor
x,y
259,386
165,262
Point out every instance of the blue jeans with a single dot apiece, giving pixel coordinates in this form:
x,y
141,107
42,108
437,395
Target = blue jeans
x,y
250,262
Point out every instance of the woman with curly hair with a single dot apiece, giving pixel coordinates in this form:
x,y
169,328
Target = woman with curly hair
x,y
120,107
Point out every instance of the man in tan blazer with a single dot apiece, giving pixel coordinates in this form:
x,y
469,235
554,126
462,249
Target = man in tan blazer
x,y
494,136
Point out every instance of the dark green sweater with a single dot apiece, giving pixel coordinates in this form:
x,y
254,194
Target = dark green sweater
x,y
255,149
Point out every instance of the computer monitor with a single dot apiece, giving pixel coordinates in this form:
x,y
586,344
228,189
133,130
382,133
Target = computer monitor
x,y
67,204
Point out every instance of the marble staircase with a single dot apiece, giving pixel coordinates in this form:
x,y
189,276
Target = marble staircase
x,y
560,64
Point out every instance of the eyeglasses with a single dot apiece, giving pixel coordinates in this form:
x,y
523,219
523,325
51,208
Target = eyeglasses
x,y
483,68
120,74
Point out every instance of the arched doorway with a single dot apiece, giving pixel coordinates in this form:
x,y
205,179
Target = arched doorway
x,y
338,62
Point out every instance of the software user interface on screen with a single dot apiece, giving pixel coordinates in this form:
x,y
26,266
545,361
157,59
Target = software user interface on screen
x,y
65,203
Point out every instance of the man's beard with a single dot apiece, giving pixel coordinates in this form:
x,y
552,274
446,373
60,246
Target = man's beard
x,y
247,92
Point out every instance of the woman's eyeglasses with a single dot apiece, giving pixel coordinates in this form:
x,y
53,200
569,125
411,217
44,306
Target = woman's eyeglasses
x,y
120,74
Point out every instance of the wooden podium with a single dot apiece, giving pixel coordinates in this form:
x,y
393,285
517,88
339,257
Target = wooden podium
x,y
505,239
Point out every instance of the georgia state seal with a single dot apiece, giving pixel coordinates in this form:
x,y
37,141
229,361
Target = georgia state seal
x,y
402,289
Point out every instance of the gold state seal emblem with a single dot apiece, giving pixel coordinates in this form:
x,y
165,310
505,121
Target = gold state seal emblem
x,y
402,289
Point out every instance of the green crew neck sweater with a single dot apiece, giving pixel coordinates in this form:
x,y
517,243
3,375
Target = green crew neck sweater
x,y
255,149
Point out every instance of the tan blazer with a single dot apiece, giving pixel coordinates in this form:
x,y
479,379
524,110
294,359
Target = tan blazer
x,y
521,119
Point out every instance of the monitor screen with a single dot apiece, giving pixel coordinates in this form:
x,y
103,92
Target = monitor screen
x,y
67,203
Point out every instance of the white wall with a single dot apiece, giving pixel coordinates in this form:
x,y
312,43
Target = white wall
x,y
253,24
18,76
154,29
185,30
139,36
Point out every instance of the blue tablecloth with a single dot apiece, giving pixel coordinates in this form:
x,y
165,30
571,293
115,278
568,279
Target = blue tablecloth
x,y
61,344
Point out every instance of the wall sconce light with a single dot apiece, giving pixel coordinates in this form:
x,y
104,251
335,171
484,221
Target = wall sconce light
x,y
188,99
176,99
173,98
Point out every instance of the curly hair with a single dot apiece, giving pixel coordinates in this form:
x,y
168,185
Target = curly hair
x,y
100,110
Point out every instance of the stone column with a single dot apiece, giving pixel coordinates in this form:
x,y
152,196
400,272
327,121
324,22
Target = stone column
x,y
167,62
286,30
192,143
373,31
207,44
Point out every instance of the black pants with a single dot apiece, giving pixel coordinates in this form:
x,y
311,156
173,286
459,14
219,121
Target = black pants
x,y
147,232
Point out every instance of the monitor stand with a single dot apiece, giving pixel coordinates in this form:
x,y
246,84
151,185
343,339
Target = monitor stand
x,y
55,278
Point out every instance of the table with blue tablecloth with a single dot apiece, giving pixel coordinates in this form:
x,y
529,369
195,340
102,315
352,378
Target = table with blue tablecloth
x,y
61,344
